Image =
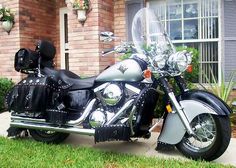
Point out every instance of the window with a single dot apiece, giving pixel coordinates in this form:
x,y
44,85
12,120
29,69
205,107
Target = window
x,y
193,23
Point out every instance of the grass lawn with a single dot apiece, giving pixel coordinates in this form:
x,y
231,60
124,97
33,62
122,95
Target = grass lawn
x,y
27,153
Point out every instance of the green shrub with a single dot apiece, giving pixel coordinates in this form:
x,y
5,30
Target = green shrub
x,y
5,86
221,88
125,56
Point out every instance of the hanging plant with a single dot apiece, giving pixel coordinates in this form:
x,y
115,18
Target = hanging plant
x,y
80,4
82,7
6,15
7,19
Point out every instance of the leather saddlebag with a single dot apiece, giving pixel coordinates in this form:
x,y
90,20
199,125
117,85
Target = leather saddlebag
x,y
32,96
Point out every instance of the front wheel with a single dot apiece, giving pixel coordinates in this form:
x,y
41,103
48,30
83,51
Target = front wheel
x,y
212,137
48,136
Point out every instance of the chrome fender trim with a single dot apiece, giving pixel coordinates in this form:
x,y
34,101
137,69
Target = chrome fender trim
x,y
173,128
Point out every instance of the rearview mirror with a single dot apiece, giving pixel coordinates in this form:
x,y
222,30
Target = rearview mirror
x,y
106,36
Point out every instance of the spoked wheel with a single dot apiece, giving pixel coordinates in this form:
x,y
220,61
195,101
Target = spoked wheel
x,y
211,139
48,136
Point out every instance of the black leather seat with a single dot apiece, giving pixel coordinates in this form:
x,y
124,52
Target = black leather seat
x,y
69,80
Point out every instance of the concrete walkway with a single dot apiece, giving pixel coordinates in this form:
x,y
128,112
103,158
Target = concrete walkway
x,y
139,147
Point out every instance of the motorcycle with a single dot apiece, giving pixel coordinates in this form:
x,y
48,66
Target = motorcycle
x,y
119,103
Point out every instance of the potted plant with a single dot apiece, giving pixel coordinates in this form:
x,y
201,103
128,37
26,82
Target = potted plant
x,y
7,19
81,6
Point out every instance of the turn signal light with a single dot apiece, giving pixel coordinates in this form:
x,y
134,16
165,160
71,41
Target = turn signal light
x,y
190,69
147,73
168,108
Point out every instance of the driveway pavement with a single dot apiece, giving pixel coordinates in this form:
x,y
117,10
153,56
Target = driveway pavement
x,y
139,147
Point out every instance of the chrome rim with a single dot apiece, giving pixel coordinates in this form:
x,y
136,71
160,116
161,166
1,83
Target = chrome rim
x,y
204,127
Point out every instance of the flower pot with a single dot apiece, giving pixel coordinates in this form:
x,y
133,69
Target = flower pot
x,y
7,26
81,15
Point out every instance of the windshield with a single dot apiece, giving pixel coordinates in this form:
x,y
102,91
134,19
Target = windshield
x,y
149,35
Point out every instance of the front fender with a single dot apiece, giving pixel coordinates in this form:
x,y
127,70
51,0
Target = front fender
x,y
210,99
194,103
173,128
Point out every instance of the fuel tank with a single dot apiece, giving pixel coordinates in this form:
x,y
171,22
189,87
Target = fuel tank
x,y
128,70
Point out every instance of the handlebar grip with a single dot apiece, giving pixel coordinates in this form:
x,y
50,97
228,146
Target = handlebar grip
x,y
107,51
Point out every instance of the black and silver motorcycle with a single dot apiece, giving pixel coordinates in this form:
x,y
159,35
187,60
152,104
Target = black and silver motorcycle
x,y
119,103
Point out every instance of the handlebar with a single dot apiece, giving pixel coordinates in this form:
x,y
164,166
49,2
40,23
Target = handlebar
x,y
123,48
108,51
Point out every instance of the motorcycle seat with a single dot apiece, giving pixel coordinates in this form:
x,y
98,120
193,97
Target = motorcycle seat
x,y
69,80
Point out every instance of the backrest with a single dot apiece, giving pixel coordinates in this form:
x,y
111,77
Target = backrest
x,y
47,49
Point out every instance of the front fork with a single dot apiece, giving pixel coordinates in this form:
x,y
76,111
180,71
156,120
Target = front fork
x,y
169,91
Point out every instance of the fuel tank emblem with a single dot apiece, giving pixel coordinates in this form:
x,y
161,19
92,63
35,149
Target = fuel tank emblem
x,y
122,68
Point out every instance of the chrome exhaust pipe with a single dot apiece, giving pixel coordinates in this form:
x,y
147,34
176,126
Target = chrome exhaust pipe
x,y
40,124
70,123
84,115
47,127
33,120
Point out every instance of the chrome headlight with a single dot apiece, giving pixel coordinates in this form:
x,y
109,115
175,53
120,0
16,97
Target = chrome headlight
x,y
160,62
178,62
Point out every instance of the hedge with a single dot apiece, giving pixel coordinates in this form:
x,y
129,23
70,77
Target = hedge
x,y
5,86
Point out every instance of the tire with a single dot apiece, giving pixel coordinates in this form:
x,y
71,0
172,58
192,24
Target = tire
x,y
48,136
217,134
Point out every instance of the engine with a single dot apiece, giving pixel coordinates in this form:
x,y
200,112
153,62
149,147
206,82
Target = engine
x,y
112,94
99,117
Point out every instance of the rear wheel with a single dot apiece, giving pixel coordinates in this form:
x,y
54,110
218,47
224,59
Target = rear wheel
x,y
212,137
48,136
